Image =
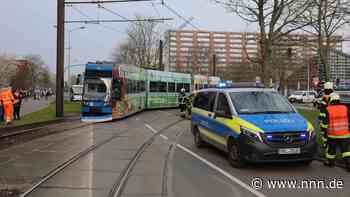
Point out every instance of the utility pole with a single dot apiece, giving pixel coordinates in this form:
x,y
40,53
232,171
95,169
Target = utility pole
x,y
60,58
214,64
161,55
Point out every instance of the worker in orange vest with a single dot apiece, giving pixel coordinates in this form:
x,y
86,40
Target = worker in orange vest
x,y
337,134
7,100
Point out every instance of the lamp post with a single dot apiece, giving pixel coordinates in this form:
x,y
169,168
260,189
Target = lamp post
x,y
69,50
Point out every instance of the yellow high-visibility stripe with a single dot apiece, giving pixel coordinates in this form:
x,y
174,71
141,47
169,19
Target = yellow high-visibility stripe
x,y
324,126
346,154
339,137
329,156
217,138
322,115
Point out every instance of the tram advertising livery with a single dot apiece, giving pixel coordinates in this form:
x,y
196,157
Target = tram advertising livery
x,y
115,91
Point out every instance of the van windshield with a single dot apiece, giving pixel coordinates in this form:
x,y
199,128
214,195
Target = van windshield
x,y
260,103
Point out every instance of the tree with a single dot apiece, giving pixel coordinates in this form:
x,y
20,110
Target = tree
x,y
326,18
141,47
275,19
7,70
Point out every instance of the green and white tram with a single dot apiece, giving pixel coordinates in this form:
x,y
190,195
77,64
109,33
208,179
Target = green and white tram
x,y
163,88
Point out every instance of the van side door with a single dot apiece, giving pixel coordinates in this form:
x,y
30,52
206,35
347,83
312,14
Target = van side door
x,y
203,110
222,119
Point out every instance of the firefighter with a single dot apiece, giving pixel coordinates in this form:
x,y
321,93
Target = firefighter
x,y
182,102
328,89
336,134
7,100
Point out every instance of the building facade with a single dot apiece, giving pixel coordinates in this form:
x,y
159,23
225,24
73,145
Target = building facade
x,y
220,53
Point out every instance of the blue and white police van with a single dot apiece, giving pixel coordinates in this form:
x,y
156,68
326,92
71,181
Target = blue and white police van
x,y
252,124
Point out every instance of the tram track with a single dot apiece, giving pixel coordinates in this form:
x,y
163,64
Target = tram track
x,y
69,162
121,182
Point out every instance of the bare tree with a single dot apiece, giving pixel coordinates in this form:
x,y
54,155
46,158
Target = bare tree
x,y
275,19
326,18
7,70
141,47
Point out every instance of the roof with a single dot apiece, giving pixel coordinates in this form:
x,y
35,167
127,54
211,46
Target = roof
x,y
237,90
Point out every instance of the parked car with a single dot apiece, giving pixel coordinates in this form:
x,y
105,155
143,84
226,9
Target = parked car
x,y
303,97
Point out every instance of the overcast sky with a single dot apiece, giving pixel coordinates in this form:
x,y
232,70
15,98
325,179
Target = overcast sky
x,y
27,26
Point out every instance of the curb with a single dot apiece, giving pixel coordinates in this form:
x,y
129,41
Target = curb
x,y
10,129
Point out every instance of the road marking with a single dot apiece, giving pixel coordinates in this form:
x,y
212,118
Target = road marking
x,y
155,131
213,166
221,171
151,128
164,137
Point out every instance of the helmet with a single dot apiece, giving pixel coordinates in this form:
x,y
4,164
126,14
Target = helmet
x,y
333,98
328,86
183,89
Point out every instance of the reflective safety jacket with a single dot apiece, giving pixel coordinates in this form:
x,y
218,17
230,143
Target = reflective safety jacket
x,y
6,97
335,121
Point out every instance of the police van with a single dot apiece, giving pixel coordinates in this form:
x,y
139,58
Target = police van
x,y
252,125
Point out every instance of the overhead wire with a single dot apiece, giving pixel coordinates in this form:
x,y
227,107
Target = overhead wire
x,y
102,25
179,15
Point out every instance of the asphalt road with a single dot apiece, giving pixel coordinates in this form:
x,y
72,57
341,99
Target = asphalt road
x,y
170,165
193,176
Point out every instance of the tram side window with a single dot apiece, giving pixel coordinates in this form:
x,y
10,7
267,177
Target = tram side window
x,y
179,86
153,86
134,86
187,87
142,86
171,87
158,86
116,91
162,86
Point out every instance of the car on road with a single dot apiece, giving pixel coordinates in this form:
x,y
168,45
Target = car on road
x,y
76,93
302,97
252,125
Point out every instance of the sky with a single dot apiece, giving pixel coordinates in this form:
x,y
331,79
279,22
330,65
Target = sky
x,y
27,27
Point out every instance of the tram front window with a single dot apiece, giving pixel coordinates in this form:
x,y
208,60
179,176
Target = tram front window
x,y
95,89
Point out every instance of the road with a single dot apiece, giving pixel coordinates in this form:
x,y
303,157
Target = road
x,y
131,158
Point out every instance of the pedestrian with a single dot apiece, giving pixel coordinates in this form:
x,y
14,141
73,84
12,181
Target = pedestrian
x,y
336,134
7,100
17,104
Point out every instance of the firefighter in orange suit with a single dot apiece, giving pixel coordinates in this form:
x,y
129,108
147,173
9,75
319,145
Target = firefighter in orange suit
x,y
7,100
335,118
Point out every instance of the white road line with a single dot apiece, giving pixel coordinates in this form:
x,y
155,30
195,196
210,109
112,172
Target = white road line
x,y
213,166
228,175
155,131
151,128
164,137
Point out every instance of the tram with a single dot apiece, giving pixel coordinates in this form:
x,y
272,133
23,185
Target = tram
x,y
116,91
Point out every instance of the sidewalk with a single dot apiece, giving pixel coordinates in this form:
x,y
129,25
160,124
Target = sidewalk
x,y
30,105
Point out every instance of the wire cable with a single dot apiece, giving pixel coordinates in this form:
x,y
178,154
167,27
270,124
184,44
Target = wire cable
x,y
179,15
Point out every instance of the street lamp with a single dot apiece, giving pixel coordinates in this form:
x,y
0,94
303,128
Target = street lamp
x,y
69,50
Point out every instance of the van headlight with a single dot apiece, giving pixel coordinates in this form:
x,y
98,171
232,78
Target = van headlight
x,y
251,134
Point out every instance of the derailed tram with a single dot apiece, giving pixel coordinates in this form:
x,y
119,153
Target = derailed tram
x,y
116,91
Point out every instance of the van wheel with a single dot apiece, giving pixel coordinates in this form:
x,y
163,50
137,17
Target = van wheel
x,y
234,155
306,162
198,142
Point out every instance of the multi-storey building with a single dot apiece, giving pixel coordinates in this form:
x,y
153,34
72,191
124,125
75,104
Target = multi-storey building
x,y
203,52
